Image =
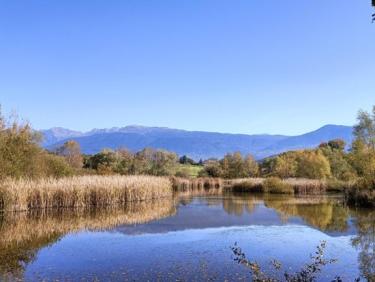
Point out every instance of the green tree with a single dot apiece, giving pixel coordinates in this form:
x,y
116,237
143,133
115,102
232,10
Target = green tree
x,y
334,151
212,168
364,131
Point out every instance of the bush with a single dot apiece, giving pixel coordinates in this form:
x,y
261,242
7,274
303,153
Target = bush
x,y
335,185
183,173
275,185
362,193
57,166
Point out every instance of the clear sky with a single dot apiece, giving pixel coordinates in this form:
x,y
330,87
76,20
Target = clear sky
x,y
251,66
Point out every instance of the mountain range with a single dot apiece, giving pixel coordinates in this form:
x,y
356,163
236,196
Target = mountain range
x,y
195,144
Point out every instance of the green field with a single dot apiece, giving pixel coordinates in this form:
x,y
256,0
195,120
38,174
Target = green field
x,y
191,170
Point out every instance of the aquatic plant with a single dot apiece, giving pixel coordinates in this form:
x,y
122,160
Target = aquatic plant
x,y
192,184
81,191
275,185
290,185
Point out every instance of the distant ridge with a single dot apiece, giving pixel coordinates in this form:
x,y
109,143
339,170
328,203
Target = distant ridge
x,y
196,144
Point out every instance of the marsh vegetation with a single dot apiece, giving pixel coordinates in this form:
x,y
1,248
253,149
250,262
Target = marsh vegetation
x,y
25,166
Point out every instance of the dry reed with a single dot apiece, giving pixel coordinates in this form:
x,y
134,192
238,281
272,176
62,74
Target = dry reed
x,y
81,191
300,186
196,184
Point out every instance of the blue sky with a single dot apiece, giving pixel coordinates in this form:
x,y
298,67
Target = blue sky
x,y
252,66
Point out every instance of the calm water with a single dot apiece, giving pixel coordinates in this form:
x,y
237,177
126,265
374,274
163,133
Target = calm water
x,y
188,238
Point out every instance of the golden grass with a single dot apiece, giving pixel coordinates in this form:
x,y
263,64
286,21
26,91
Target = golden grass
x,y
300,185
196,184
81,191
251,185
307,186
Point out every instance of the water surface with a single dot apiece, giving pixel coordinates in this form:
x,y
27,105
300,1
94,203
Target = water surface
x,y
187,238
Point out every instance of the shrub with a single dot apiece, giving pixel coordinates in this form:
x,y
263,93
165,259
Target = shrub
x,y
57,166
335,185
275,185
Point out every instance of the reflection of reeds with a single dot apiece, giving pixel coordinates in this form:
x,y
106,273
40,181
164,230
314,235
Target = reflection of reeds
x,y
81,191
23,234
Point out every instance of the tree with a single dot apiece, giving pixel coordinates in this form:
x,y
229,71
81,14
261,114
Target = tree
x,y
362,159
362,155
72,153
251,166
186,160
232,166
22,157
364,131
312,165
286,165
334,151
163,163
124,161
212,168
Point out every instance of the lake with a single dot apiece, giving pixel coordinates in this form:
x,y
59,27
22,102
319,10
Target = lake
x,y
188,238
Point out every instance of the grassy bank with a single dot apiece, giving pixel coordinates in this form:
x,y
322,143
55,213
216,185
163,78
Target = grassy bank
x,y
81,191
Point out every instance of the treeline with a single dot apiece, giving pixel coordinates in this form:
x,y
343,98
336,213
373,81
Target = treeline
x,y
22,156
148,161
231,166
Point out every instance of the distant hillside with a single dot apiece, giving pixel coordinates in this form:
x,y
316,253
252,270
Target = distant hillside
x,y
196,144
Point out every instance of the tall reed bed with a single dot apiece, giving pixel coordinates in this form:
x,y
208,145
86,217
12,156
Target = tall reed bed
x,y
196,184
273,185
307,186
81,191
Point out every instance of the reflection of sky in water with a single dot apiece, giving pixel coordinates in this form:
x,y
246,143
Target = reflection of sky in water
x,y
193,242
185,252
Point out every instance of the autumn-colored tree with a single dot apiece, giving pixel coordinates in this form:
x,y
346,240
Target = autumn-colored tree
x,y
232,166
286,165
251,167
338,159
22,157
362,159
312,164
72,153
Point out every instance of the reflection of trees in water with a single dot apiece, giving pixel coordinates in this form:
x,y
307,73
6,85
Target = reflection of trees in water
x,y
22,235
365,242
321,212
238,205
